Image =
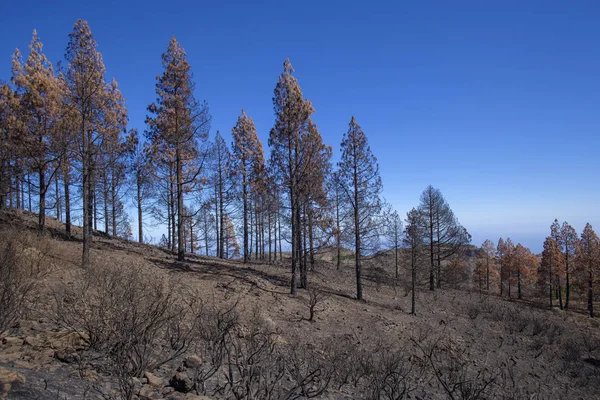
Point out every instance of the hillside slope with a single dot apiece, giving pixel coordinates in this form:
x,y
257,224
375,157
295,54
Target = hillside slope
x,y
459,345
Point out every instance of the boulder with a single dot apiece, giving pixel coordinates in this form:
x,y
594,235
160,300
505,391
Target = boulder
x,y
147,392
154,380
193,362
181,383
8,376
64,355
191,396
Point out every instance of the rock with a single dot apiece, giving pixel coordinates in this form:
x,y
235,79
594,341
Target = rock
x,y
8,376
176,396
191,396
193,362
65,339
181,383
33,341
65,356
154,380
12,341
167,391
4,389
147,392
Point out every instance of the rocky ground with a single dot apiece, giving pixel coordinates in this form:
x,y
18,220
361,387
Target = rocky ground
x,y
502,349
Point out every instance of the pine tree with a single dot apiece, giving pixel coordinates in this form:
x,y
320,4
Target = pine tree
x,y
7,142
549,273
444,235
247,155
293,148
525,267
413,239
223,181
557,236
96,108
38,112
568,243
359,173
489,251
588,259
177,122
394,230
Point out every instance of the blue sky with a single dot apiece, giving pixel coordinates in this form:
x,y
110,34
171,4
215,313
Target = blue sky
x,y
495,103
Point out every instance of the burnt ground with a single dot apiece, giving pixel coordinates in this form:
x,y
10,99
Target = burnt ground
x,y
529,350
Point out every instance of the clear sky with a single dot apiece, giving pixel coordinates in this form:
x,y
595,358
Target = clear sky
x,y
497,103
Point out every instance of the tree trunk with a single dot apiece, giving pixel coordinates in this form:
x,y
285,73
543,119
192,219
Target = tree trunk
x,y
105,196
359,292
66,181
590,292
293,282
431,251
205,212
87,196
58,210
245,201
256,232
269,232
559,289
28,193
304,269
250,230
280,248
169,230
217,223
338,238
221,214
113,198
95,203
173,212
487,276
567,289
310,240
414,280
42,206
139,207
180,241
519,283
396,244
439,254
191,238
550,284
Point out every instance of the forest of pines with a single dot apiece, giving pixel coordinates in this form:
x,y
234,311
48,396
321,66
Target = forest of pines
x,y
66,150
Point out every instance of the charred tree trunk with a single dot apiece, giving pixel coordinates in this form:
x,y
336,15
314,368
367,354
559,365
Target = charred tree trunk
x,y
67,183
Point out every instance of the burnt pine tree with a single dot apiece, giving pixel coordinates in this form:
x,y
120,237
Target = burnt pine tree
x,y
413,240
549,266
290,156
247,154
488,250
588,258
394,236
568,243
93,104
222,179
444,235
178,122
359,174
38,114
557,236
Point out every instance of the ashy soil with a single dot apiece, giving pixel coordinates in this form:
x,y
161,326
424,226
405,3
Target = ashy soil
x,y
513,349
